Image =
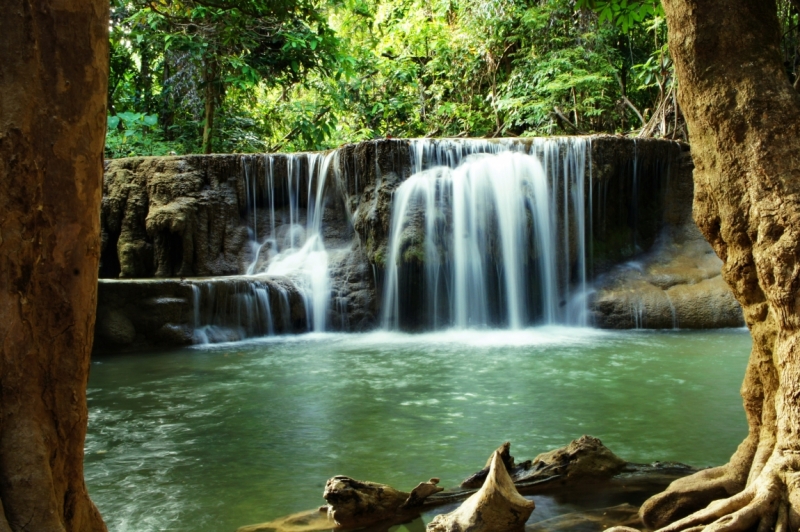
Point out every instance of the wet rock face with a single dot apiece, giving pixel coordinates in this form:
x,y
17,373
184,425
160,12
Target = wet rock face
x,y
676,282
171,217
163,313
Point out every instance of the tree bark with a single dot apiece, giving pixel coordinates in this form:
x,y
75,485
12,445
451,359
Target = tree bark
x,y
53,83
744,129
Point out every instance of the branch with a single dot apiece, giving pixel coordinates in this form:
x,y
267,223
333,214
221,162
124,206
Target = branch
x,y
627,102
562,118
293,132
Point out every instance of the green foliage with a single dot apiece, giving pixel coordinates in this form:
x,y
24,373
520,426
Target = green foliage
x,y
624,13
300,75
131,133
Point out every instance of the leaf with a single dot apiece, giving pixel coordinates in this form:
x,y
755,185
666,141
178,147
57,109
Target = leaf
x,y
151,120
112,122
129,118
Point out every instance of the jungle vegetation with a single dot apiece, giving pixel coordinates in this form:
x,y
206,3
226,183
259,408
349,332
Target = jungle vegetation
x,y
194,76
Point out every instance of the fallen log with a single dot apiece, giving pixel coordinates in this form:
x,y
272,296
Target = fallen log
x,y
496,507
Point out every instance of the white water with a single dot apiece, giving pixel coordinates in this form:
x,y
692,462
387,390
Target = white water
x,y
503,234
498,228
299,253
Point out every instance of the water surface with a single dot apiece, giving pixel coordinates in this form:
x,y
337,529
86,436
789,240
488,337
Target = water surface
x,y
209,439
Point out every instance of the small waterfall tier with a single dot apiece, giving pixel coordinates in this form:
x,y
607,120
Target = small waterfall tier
x,y
490,234
285,208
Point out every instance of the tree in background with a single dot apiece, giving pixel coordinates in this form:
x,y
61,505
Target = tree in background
x,y
53,78
204,50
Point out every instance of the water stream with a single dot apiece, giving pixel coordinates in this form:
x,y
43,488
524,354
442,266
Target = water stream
x,y
212,438
499,230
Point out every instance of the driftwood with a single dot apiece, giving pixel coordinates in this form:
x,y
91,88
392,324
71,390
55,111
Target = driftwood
x,y
584,464
308,521
496,507
354,503
584,457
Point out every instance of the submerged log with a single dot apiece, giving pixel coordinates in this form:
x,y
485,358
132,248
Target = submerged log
x,y
354,503
496,507
581,458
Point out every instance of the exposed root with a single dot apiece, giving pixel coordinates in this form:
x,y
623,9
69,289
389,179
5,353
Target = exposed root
x,y
690,494
758,505
782,524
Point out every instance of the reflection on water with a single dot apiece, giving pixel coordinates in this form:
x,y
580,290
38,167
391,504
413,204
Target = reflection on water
x,y
211,439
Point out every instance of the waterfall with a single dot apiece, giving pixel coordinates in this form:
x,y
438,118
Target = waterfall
x,y
235,308
491,233
297,251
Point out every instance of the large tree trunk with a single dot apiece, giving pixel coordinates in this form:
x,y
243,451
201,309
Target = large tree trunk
x,y
53,78
744,128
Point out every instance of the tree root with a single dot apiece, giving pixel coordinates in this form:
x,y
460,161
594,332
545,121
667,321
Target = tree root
x,y
762,506
690,494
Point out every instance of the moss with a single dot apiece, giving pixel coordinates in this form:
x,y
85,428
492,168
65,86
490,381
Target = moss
x,y
379,256
414,253
613,247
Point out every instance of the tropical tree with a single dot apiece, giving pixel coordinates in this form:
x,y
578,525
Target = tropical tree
x,y
744,124
53,79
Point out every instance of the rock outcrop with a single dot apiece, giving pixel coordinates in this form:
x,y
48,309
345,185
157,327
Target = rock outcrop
x,y
673,283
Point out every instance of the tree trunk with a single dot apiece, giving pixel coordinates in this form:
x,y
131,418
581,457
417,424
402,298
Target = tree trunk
x,y
53,82
744,128
210,94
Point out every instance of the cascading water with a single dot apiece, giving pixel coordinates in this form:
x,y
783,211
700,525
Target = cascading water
x,y
285,198
298,253
453,233
492,233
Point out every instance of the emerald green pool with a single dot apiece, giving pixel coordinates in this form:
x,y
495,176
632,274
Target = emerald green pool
x,y
213,438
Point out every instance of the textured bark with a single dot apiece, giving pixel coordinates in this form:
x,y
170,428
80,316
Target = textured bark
x,y
744,126
53,78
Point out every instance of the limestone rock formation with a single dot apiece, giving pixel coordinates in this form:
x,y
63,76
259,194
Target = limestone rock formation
x,y
675,281
678,285
158,313
220,215
172,217
354,503
496,507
